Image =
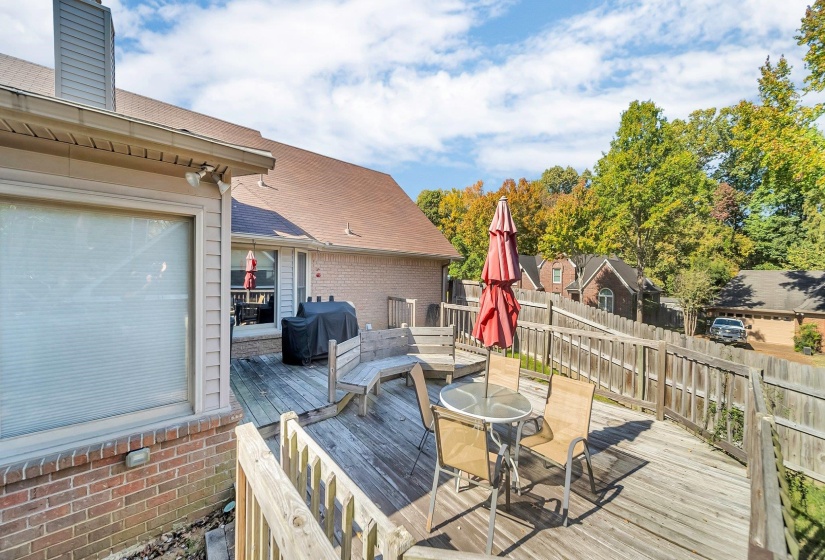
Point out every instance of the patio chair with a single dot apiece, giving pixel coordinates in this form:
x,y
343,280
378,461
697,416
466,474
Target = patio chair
x,y
564,430
462,452
506,372
424,408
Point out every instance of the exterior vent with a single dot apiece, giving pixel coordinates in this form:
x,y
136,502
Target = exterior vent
x,y
84,53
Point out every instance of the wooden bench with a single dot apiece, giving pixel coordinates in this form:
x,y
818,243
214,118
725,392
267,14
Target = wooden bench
x,y
357,365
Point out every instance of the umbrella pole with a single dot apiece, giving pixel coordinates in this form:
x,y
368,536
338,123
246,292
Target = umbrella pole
x,y
487,374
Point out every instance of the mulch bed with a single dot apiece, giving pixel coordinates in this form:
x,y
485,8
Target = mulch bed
x,y
185,543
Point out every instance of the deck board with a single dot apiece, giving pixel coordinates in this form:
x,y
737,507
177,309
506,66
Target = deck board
x,y
662,492
658,488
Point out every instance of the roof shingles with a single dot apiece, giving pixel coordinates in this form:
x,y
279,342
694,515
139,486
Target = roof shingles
x,y
309,196
778,290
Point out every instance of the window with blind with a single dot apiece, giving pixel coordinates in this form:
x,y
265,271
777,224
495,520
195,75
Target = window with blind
x,y
96,313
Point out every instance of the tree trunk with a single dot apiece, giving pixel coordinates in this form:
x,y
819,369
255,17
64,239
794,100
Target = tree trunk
x,y
640,296
691,315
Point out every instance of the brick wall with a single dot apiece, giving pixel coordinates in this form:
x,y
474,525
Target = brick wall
x,y
817,320
568,274
85,503
622,298
367,281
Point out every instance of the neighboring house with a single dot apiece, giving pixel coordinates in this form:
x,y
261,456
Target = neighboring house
x,y
530,277
774,302
319,226
608,283
114,294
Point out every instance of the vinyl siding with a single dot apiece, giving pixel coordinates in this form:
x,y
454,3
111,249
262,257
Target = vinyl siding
x,y
62,171
84,53
287,263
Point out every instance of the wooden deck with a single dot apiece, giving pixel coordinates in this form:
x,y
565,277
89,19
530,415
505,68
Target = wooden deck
x,y
662,493
266,388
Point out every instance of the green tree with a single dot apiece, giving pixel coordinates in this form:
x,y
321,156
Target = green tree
x,y
529,210
647,184
574,228
808,253
695,290
812,35
430,203
558,179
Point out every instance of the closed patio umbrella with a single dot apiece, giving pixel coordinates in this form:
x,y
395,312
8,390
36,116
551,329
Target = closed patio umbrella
x,y
498,309
251,268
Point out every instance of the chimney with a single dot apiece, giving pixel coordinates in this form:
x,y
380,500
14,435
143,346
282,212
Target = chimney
x,y
84,53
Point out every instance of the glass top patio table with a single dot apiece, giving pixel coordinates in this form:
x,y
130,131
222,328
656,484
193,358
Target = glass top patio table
x,y
502,405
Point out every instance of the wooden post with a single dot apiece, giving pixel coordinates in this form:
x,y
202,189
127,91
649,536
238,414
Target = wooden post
x,y
240,509
441,315
661,372
285,458
332,359
640,371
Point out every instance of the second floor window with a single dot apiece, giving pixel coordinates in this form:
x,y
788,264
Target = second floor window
x,y
556,276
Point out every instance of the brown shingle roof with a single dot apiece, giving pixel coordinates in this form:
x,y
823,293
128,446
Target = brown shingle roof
x,y
779,290
310,195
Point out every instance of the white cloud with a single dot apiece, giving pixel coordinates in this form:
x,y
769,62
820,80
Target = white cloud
x,y
402,81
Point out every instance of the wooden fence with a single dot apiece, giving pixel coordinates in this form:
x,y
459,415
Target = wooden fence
x,y
400,310
794,392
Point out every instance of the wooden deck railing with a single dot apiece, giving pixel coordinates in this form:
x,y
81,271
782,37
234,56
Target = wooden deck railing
x,y
310,470
272,520
400,310
308,508
718,399
772,534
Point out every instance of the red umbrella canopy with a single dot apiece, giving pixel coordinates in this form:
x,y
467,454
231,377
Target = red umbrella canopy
x,y
251,268
498,308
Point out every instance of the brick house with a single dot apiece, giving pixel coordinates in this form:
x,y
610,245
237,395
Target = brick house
x,y
318,226
774,303
608,283
116,415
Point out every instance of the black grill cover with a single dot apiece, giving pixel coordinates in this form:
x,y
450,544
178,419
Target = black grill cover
x,y
306,336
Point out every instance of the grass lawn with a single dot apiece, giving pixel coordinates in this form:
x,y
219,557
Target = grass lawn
x,y
808,498
819,360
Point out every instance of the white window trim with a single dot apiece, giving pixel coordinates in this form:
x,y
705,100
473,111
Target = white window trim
x,y
53,193
612,300
561,272
295,279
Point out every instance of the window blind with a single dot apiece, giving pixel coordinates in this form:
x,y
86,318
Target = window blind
x,y
95,315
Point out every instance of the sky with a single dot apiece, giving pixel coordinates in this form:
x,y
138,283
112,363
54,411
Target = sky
x,y
437,93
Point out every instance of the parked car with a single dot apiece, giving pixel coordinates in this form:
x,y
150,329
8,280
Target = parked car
x,y
729,331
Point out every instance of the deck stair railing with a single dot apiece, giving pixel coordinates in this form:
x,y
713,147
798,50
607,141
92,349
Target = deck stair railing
x,y
400,311
346,514
772,535
307,508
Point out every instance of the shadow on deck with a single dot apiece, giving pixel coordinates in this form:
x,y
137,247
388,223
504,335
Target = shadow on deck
x,y
661,492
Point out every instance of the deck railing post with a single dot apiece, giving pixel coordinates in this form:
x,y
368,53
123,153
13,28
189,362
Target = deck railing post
x,y
661,380
441,313
332,370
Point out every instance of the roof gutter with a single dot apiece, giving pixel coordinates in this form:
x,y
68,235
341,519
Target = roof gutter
x,y
321,246
32,108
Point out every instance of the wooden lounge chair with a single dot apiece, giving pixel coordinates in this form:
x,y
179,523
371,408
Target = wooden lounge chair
x,y
564,431
462,452
416,374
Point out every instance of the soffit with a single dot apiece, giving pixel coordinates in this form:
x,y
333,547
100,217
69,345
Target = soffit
x,y
46,118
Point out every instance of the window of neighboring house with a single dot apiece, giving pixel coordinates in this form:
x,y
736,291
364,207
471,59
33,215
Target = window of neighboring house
x,y
97,319
606,300
301,278
556,276
266,278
